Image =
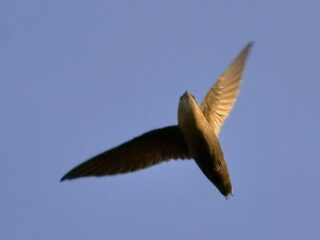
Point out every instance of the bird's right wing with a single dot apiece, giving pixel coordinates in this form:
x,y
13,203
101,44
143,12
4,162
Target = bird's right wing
x,y
141,152
221,97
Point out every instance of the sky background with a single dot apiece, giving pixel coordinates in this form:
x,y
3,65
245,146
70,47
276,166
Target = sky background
x,y
79,77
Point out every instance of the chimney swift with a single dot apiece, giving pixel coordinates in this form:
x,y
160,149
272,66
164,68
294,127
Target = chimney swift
x,y
195,136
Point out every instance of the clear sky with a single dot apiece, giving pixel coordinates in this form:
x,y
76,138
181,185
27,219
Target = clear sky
x,y
79,77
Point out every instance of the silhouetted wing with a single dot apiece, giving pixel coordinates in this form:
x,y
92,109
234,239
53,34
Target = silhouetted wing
x,y
221,97
141,152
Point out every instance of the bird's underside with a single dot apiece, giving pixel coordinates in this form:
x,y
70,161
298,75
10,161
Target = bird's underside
x,y
195,136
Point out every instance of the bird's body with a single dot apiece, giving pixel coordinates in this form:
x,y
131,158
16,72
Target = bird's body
x,y
203,143
195,136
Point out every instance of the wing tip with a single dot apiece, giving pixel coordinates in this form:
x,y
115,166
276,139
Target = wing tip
x,y
65,177
250,44
69,176
247,48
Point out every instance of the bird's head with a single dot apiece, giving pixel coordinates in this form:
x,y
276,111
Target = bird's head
x,y
187,98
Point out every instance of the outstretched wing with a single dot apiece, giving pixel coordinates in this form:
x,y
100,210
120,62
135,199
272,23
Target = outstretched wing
x,y
221,97
141,152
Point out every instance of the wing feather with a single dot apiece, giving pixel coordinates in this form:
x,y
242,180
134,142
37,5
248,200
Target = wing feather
x,y
141,152
220,99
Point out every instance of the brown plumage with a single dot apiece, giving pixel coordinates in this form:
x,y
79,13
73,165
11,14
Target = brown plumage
x,y
195,136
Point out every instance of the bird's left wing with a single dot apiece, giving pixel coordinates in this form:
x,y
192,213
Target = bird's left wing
x,y
141,152
221,97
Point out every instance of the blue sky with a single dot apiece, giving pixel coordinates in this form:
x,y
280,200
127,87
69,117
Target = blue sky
x,y
79,77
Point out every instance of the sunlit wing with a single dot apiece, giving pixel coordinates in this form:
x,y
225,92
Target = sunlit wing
x,y
141,152
221,97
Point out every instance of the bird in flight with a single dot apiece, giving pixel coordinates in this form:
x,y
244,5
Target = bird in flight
x,y
195,136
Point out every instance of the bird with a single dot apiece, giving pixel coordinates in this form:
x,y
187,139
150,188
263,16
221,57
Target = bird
x,y
194,137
